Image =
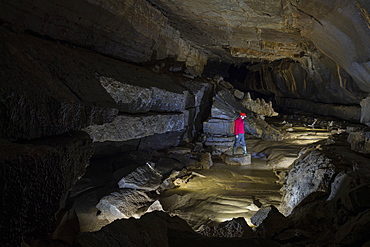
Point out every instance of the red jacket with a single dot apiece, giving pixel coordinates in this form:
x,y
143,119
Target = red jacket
x,y
238,126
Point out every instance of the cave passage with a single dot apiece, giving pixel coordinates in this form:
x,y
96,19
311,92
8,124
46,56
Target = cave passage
x,y
224,191
213,195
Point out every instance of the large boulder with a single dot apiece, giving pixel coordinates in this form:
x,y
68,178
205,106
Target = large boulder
x,y
312,172
270,221
333,206
235,228
360,141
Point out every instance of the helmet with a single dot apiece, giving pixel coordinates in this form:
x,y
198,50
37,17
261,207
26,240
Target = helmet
x,y
242,114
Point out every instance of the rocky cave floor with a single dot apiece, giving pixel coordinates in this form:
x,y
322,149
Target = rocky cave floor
x,y
203,191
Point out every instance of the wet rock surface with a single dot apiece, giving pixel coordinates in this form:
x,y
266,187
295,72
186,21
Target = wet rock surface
x,y
244,159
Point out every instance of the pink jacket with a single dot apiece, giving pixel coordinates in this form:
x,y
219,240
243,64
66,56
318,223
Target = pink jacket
x,y
238,126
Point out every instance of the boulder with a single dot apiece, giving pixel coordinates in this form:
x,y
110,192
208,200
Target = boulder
x,y
270,221
205,161
360,141
142,178
235,228
238,159
311,172
125,203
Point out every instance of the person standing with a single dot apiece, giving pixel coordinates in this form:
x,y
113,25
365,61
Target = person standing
x,y
239,133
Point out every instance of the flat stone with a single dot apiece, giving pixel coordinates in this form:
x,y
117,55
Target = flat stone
x,y
238,159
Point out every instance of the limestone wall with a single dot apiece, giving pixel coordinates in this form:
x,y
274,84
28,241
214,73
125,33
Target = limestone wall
x,y
48,91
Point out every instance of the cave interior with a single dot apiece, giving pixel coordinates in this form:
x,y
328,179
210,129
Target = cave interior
x,y
114,113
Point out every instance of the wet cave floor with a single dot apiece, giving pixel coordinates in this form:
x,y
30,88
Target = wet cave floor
x,y
224,191
215,195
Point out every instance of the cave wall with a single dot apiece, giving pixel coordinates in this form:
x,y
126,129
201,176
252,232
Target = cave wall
x,y
130,30
330,93
340,29
35,175
49,90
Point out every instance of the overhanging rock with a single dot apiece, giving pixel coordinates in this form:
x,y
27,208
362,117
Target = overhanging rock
x,y
140,99
125,128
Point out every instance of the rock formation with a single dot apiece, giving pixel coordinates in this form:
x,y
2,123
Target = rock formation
x,y
258,106
88,82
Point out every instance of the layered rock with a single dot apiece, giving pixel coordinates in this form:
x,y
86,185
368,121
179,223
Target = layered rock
x,y
313,61
144,33
48,89
137,99
125,128
349,113
219,128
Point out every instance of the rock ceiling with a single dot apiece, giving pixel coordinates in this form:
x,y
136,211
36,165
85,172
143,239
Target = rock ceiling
x,y
195,31
271,30
246,29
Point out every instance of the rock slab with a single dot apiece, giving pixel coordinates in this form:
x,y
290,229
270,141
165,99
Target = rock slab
x,y
238,160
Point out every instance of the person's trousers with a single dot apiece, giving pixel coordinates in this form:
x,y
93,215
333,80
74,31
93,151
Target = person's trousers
x,y
239,139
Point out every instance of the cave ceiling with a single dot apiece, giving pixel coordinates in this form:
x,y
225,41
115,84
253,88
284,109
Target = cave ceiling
x,y
315,50
238,30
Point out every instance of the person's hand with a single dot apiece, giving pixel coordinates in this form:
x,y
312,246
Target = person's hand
x,y
236,136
